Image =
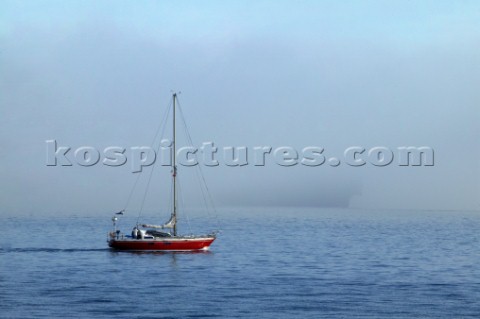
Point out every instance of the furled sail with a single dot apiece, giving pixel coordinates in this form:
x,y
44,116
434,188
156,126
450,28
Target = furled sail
x,y
171,223
168,224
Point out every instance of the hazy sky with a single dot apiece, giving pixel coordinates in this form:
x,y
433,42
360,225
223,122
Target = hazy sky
x,y
332,74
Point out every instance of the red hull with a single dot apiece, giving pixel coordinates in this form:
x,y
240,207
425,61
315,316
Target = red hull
x,y
174,244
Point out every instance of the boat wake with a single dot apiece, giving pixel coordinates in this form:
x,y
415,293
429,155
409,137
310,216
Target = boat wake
x,y
50,250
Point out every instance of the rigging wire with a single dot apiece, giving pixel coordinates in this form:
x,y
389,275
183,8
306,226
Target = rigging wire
x,y
199,173
205,191
180,196
162,124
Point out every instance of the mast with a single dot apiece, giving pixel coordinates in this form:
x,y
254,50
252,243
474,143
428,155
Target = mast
x,y
174,173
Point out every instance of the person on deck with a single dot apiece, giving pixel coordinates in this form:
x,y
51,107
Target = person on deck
x,y
135,232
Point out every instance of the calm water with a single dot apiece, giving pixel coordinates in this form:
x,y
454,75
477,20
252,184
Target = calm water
x,y
267,263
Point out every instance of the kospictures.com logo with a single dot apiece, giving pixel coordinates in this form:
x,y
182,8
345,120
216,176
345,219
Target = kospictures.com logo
x,y
210,155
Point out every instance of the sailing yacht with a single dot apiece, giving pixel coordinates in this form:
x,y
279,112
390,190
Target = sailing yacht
x,y
160,237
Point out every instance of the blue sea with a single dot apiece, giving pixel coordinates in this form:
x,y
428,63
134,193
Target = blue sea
x,y
266,263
